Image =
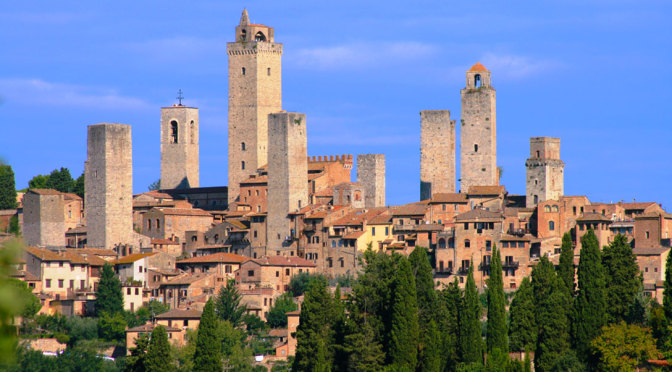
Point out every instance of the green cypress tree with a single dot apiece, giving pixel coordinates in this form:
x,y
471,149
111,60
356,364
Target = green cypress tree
x,y
623,279
471,342
523,326
314,333
136,361
208,355
109,298
590,304
550,297
431,312
364,352
339,331
227,305
667,291
429,353
496,326
403,353
158,357
452,298
7,188
566,267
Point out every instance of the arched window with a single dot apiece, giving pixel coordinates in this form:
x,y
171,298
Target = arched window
x,y
358,196
243,35
173,131
547,208
467,243
242,146
555,208
536,200
194,238
537,153
477,81
192,132
442,243
551,225
475,148
216,237
260,36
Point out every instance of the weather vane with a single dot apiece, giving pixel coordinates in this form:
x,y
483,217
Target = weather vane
x,y
179,97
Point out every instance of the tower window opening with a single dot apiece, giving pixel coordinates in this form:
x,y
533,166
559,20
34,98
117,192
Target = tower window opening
x,y
538,153
192,130
243,70
173,131
242,165
242,146
475,148
477,81
243,35
268,71
260,36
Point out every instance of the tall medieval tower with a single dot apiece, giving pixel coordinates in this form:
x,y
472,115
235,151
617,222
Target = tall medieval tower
x,y
108,185
437,153
371,175
545,171
254,92
287,176
478,143
179,147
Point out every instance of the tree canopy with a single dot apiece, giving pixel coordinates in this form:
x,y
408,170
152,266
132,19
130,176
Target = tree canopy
x,y
7,188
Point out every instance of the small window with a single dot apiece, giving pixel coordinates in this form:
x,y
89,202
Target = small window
x,y
467,243
547,208
242,164
477,81
60,283
250,273
373,231
268,71
173,131
555,208
647,234
475,148
260,36
48,283
538,153
551,225
128,291
277,274
243,70
242,146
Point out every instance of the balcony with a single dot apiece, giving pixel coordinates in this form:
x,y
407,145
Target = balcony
x,y
518,232
446,271
404,227
462,270
309,228
510,264
484,266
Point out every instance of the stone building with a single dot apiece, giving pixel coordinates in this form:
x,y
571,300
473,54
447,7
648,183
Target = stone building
x,y
254,92
109,186
44,218
545,171
437,153
478,131
179,147
349,193
287,175
371,175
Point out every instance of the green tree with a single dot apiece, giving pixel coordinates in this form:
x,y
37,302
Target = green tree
x,y
667,285
496,331
7,188
364,352
300,284
566,267
623,279
109,298
590,304
156,185
277,315
452,299
158,357
550,297
471,342
208,354
14,227
31,304
314,332
227,305
80,187
150,310
136,361
61,180
112,327
39,182
623,347
431,315
523,326
404,331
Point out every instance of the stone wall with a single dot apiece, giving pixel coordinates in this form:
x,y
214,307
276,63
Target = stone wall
x,y
545,171
255,91
109,186
179,156
478,137
371,175
44,219
287,174
437,153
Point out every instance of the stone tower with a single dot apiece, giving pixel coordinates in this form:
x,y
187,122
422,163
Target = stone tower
x,y
437,153
179,147
478,143
108,186
44,218
371,175
545,171
254,92
287,175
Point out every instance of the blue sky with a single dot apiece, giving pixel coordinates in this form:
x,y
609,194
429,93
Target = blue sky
x,y
595,73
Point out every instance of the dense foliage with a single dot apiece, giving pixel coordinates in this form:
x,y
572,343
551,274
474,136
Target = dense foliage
x,y
7,188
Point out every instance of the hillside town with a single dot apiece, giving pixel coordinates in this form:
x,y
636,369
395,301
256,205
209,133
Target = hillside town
x,y
286,214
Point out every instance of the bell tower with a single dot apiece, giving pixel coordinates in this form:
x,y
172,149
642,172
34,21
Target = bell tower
x,y
254,92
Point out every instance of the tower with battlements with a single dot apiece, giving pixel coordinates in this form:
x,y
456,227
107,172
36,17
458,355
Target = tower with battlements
x,y
179,147
108,186
254,92
371,176
478,128
287,177
437,153
545,171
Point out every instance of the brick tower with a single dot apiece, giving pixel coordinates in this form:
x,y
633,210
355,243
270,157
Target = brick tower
x,y
437,153
371,175
545,171
179,147
287,176
254,92
478,143
108,185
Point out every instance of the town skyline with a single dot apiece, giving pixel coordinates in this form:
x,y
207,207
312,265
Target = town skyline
x,y
356,85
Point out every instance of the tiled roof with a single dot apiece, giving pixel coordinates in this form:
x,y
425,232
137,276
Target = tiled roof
x,y
479,215
358,216
649,251
180,314
410,210
165,241
149,327
283,261
429,227
132,258
157,194
215,257
185,212
506,237
487,190
71,196
354,235
592,216
278,332
448,197
381,219
94,251
45,192
640,206
256,180
478,67
186,279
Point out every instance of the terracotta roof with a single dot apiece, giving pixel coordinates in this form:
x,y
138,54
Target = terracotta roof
x,y
487,190
648,215
45,192
506,237
132,258
592,216
410,210
641,206
157,194
295,312
256,179
165,241
358,216
237,224
429,227
26,275
649,251
215,257
185,212
94,251
479,215
283,261
381,219
354,235
448,197
71,196
180,314
278,332
478,67
186,279
149,327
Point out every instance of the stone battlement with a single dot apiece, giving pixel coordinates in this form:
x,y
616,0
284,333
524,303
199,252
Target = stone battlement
x,y
345,158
